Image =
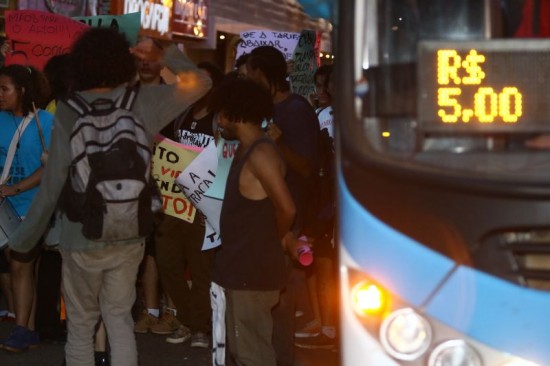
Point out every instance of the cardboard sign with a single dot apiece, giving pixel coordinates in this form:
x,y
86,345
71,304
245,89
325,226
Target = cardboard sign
x,y
127,24
283,41
305,61
36,36
194,181
301,48
169,159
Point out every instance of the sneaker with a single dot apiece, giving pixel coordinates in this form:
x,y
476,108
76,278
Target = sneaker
x,y
21,339
167,324
145,322
311,329
182,334
320,341
101,359
8,318
200,340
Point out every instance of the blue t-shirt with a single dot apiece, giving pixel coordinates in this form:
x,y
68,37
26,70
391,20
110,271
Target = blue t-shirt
x,y
27,155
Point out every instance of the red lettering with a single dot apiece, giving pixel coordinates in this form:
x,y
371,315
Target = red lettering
x,y
229,150
164,170
180,205
165,201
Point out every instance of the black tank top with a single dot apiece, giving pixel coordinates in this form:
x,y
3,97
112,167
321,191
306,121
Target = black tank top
x,y
251,256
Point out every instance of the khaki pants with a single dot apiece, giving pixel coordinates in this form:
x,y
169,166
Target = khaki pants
x,y
250,326
101,283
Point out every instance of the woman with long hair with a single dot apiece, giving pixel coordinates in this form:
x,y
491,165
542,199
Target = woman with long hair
x,y
24,138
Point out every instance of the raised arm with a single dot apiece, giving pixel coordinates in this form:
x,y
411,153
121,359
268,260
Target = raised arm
x,y
165,102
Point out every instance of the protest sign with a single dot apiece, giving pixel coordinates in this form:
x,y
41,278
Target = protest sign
x,y
195,180
36,36
155,16
169,159
226,152
283,41
127,24
305,61
300,48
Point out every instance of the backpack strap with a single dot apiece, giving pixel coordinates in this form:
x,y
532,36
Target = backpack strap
x,y
128,98
78,104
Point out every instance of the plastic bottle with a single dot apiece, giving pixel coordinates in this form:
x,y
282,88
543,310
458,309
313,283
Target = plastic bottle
x,y
305,254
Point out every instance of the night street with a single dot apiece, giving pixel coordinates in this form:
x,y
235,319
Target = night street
x,y
153,351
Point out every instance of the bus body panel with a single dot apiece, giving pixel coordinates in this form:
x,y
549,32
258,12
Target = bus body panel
x,y
379,250
495,312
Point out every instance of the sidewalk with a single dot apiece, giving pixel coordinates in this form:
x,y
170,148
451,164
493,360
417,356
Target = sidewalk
x,y
153,351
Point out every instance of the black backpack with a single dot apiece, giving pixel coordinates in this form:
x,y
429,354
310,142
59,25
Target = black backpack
x,y
107,188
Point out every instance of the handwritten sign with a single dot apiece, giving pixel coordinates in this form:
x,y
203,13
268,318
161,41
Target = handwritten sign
x,y
127,24
195,180
169,159
285,42
226,153
36,36
305,62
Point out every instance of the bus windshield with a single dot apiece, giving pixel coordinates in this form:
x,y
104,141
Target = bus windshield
x,y
456,86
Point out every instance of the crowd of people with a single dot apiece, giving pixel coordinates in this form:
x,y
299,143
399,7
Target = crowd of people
x,y
57,265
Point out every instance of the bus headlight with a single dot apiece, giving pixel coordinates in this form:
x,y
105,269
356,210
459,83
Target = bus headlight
x,y
455,352
369,299
405,334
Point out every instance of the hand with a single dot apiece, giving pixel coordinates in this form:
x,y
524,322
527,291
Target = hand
x,y
273,132
5,48
7,191
147,50
44,158
291,244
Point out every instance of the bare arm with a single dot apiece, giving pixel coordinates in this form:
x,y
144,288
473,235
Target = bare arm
x,y
163,103
269,169
30,182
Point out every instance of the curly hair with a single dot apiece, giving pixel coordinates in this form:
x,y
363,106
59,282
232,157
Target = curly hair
x,y
241,100
272,63
56,71
31,83
101,57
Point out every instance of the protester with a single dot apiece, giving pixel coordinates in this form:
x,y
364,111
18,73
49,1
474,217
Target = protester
x,y
48,285
99,276
320,332
151,318
257,214
240,65
295,130
179,243
25,136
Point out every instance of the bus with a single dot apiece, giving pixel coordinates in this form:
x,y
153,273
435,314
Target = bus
x,y
443,162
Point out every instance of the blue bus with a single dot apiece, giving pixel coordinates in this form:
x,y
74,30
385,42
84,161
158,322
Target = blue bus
x,y
443,160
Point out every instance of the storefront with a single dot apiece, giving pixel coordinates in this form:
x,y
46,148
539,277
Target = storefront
x,y
207,29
